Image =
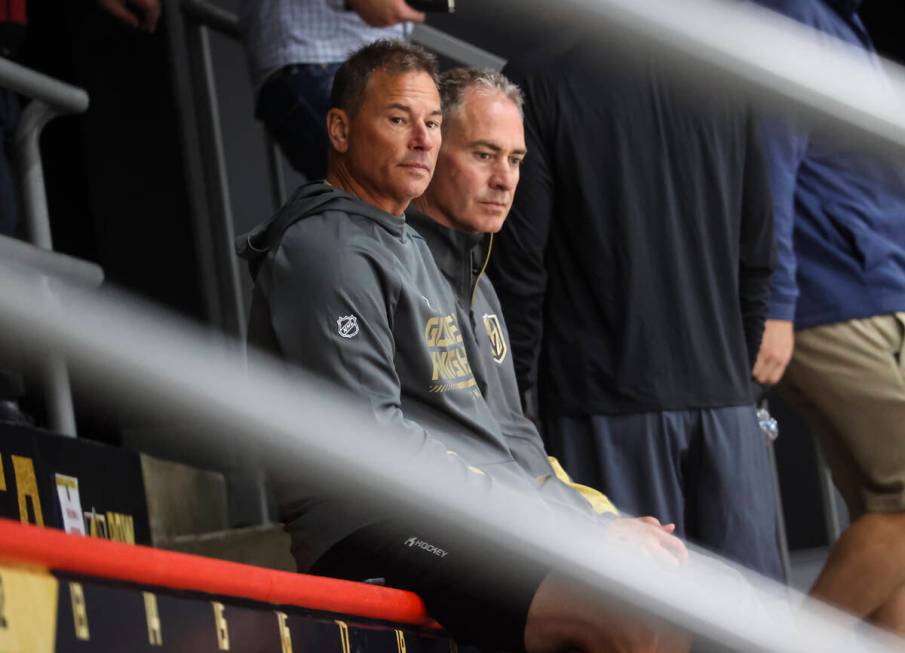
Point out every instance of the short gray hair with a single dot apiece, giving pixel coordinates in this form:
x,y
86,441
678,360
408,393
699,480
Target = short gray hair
x,y
454,83
391,56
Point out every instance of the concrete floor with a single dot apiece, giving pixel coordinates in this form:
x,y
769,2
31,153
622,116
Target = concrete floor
x,y
806,565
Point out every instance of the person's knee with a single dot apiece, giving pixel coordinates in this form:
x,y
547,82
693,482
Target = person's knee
x,y
565,617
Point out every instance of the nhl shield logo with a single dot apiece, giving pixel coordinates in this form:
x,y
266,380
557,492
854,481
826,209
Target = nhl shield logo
x,y
498,347
347,326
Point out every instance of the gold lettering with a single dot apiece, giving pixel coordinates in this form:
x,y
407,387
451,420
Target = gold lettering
x,y
453,328
463,361
222,628
27,488
344,637
400,641
79,611
285,636
97,524
121,527
432,331
2,476
442,331
152,616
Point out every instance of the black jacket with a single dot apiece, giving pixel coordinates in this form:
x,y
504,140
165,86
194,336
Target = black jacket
x,y
634,267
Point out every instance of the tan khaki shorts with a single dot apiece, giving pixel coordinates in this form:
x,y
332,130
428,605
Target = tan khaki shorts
x,y
848,381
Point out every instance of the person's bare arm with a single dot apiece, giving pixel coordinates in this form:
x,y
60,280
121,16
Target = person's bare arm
x,y
140,14
776,349
384,13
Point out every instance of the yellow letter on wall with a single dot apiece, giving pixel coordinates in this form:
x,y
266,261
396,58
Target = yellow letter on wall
x,y
27,488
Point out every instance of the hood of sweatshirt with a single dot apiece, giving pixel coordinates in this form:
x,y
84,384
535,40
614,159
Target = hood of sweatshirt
x,y
308,200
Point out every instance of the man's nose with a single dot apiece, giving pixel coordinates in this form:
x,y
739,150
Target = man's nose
x,y
422,138
505,175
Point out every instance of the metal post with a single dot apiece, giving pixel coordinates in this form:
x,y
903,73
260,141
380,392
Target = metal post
x,y
780,517
54,375
828,496
216,181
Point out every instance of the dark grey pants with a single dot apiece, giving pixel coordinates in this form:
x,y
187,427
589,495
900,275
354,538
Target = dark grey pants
x,y
706,470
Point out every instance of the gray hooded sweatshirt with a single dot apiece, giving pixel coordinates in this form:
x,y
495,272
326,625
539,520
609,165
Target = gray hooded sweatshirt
x,y
352,294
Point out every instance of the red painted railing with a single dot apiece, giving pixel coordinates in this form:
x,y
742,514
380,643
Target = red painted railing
x,y
57,551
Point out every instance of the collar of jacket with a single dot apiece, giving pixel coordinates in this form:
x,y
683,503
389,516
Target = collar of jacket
x,y
461,256
846,7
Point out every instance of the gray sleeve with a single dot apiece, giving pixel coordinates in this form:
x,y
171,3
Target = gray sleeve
x,y
332,315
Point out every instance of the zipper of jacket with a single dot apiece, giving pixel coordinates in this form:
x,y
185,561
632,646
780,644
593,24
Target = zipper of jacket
x,y
474,288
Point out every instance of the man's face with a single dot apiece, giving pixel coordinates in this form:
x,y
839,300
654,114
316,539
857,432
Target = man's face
x,y
393,139
478,166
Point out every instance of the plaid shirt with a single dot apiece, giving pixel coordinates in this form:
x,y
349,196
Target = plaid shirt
x,y
278,33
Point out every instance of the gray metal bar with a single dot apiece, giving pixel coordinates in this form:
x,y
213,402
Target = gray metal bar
x,y
55,379
67,268
31,171
54,376
183,90
455,48
213,16
831,516
780,516
307,433
64,97
221,229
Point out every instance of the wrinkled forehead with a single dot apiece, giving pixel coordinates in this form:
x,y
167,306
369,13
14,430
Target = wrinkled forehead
x,y
414,89
486,116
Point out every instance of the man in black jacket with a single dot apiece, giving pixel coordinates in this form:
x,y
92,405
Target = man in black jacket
x,y
634,272
347,290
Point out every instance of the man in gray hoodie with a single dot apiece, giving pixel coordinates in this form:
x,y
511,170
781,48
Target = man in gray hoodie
x,y
347,290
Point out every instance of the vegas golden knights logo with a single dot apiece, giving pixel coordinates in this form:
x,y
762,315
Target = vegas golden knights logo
x,y
498,347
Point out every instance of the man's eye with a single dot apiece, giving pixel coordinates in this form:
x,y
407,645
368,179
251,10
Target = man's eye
x,y
516,161
432,124
483,156
397,120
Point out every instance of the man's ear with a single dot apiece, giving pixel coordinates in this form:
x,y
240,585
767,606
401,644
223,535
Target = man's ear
x,y
338,129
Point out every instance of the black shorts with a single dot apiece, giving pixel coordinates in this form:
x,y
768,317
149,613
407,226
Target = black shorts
x,y
479,592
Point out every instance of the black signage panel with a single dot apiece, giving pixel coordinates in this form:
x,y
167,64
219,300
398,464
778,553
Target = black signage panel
x,y
71,484
98,617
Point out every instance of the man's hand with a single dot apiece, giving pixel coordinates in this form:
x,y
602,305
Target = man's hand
x,y
775,351
384,13
140,14
652,537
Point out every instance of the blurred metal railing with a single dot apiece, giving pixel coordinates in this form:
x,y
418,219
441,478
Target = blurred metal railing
x,y
49,98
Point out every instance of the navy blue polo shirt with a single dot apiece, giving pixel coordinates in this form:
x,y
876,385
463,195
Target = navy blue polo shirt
x,y
839,214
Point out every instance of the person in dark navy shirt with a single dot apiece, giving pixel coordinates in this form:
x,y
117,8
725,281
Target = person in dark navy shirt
x,y
839,287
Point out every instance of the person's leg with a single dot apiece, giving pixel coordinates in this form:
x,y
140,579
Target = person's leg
x,y
293,105
636,460
734,498
891,615
566,617
490,596
852,379
866,568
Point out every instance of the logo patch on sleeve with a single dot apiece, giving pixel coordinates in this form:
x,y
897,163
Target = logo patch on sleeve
x,y
347,326
498,346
